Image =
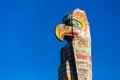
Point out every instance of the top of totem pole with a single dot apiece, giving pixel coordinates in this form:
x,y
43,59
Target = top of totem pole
x,y
72,25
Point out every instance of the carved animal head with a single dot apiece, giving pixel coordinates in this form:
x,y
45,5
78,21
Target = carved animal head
x,y
74,24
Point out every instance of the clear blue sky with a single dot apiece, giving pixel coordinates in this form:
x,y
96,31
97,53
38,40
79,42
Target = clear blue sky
x,y
29,49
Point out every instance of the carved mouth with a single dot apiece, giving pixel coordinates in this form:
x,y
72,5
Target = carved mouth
x,y
71,34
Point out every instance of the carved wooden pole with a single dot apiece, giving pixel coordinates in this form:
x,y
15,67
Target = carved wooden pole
x,y
76,62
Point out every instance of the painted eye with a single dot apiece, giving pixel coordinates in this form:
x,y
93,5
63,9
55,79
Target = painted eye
x,y
77,24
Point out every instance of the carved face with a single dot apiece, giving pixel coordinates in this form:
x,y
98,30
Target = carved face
x,y
77,27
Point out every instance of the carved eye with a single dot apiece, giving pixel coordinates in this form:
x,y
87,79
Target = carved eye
x,y
77,24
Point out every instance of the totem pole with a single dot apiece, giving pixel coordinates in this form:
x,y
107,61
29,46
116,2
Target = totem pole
x,y
75,61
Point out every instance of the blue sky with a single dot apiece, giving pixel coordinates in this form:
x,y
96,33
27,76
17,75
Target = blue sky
x,y
29,49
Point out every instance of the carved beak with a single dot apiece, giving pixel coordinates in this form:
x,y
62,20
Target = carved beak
x,y
62,30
